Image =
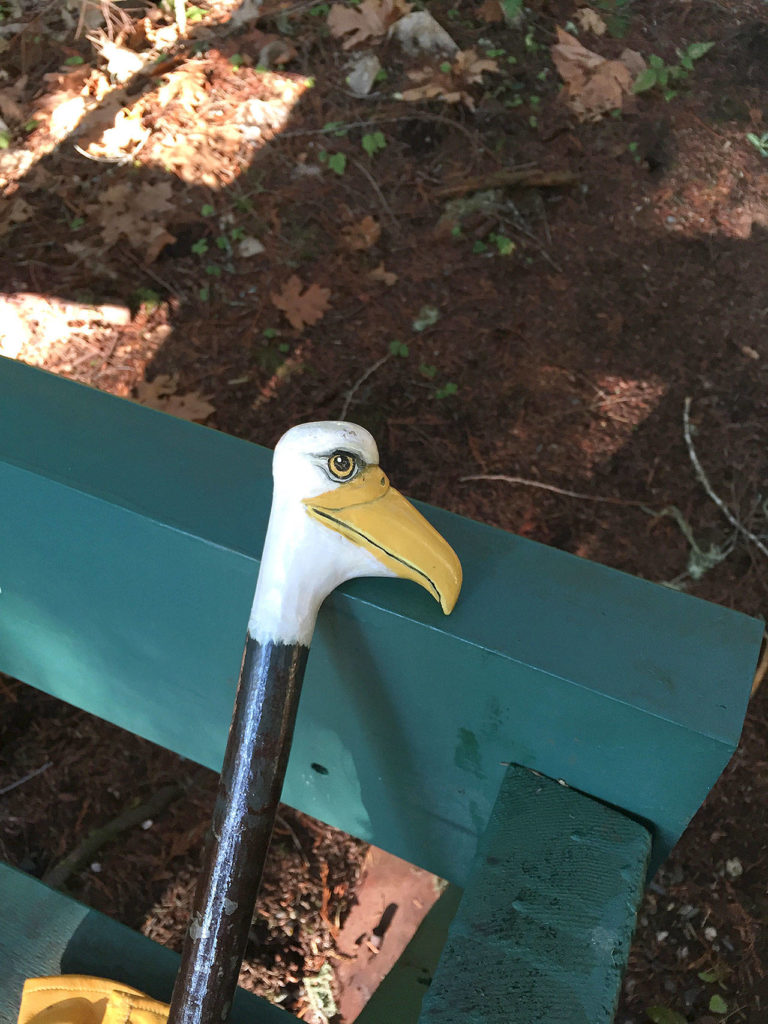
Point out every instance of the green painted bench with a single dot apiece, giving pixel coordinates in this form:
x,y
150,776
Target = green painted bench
x,y
443,740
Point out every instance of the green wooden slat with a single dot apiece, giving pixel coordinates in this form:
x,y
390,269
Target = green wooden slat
x,y
129,547
45,933
544,927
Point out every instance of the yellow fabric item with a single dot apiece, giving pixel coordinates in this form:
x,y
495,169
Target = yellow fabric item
x,y
78,999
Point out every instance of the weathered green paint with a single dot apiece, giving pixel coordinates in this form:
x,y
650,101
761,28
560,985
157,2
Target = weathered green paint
x,y
543,929
45,933
129,547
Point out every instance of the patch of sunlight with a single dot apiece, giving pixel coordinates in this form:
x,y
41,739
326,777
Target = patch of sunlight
x,y
708,189
201,120
620,405
76,340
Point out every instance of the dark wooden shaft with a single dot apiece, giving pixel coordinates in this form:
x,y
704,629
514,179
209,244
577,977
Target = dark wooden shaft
x,y
249,791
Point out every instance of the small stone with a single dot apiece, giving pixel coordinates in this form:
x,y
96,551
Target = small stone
x,y
249,246
710,933
96,867
661,936
147,824
733,868
363,74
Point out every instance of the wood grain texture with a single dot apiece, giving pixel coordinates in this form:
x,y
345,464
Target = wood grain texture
x,y
543,930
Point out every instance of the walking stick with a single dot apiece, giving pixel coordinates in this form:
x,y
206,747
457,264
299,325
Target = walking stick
x,y
334,517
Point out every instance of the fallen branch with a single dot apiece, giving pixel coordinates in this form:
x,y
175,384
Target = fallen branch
x,y
532,177
82,853
704,481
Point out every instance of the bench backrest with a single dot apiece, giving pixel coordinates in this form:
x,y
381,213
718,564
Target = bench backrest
x,y
129,547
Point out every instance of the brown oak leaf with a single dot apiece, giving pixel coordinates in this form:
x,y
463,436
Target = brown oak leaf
x,y
362,235
301,306
161,394
368,21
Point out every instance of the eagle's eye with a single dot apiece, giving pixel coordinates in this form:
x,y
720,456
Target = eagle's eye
x,y
342,465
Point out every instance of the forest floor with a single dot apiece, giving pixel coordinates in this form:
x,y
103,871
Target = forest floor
x,y
515,256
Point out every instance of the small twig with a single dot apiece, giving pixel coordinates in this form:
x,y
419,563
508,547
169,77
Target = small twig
x,y
56,876
375,185
282,823
26,778
358,383
523,482
704,481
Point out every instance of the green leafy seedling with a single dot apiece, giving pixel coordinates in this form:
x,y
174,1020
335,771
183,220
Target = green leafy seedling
x,y
717,1004
196,13
270,332
663,75
512,10
373,142
76,223
398,348
206,210
5,139
336,128
212,270
223,243
447,390
427,370
200,248
74,61
717,974
336,162
236,60
504,245
760,142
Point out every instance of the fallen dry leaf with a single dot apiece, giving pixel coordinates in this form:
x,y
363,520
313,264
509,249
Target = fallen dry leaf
x,y
490,12
593,85
186,84
122,63
385,276
135,214
370,20
14,211
362,235
300,306
161,394
450,86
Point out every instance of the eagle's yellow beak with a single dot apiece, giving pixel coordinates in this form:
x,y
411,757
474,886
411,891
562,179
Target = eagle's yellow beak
x,y
371,513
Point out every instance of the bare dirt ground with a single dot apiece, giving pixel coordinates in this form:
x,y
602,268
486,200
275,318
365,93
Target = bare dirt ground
x,y
497,277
